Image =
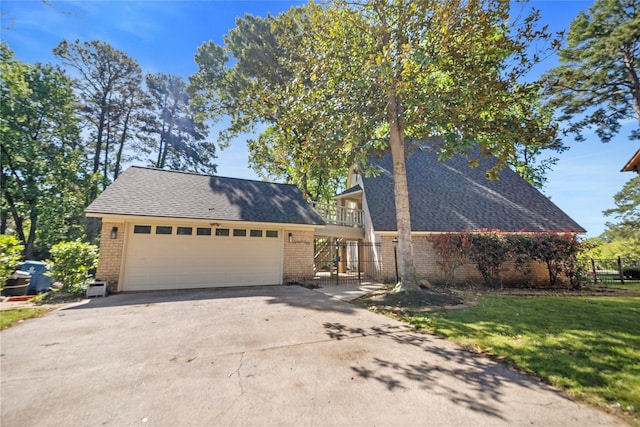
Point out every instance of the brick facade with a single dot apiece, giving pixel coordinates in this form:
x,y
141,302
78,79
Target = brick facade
x,y
110,258
298,256
427,266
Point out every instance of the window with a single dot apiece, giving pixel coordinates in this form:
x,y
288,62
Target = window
x,y
222,231
142,229
255,233
164,229
239,232
184,231
203,231
272,233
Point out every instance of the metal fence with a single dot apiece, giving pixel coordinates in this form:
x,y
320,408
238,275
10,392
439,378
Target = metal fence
x,y
607,271
346,262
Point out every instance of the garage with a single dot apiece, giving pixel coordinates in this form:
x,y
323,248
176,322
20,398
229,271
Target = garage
x,y
163,229
174,256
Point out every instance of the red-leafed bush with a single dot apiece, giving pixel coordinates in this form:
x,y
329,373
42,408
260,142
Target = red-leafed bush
x,y
490,249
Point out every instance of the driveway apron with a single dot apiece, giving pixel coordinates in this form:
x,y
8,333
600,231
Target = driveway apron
x,y
256,356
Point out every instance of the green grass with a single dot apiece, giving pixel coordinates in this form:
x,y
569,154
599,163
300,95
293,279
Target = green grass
x,y
630,286
587,346
12,315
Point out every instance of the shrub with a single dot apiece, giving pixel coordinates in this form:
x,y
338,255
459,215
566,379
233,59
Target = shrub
x,y
558,252
451,248
489,250
71,262
521,248
10,256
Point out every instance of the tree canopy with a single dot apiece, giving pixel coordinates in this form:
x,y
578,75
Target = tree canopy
x,y
621,237
597,85
258,93
41,155
627,211
64,139
344,81
105,78
175,135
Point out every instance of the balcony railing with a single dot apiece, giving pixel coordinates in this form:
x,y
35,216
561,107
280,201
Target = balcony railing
x,y
340,215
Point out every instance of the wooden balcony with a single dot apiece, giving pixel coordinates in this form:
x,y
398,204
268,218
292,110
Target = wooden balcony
x,y
339,215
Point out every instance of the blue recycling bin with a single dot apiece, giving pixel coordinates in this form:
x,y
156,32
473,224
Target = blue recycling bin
x,y
39,282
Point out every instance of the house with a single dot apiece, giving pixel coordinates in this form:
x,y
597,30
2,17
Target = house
x,y
448,197
633,165
167,229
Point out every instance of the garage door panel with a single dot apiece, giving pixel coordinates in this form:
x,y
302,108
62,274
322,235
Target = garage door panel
x,y
177,262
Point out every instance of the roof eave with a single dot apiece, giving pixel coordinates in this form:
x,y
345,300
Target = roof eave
x,y
424,233
115,217
632,164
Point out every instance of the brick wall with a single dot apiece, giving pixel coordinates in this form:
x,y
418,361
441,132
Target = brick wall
x,y
110,258
298,256
427,267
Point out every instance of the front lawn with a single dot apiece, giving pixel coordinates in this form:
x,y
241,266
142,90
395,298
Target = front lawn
x,y
587,346
13,315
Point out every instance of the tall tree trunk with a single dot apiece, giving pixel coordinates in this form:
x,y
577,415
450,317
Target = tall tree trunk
x,y
635,82
168,141
33,223
408,277
4,216
98,151
401,193
123,138
107,146
169,137
17,219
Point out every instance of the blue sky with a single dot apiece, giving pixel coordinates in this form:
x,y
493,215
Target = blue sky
x,y
163,36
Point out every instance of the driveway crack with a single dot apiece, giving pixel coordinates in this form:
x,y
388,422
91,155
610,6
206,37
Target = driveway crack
x,y
238,373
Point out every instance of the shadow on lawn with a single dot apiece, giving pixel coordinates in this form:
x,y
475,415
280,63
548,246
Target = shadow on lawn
x,y
587,344
442,372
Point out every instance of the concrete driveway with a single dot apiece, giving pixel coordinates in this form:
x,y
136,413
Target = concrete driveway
x,y
258,356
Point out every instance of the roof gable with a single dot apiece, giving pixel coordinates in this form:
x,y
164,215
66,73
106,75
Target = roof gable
x,y
356,189
633,164
161,193
451,196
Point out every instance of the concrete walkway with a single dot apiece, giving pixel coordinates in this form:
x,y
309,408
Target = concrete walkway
x,y
348,292
285,356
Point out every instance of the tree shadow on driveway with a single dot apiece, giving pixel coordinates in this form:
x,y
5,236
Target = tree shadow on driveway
x,y
466,379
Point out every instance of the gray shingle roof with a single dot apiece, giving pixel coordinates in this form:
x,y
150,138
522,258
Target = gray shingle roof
x,y
171,194
352,190
451,196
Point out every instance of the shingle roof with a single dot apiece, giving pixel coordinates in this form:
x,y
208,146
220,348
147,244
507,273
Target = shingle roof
x,y
451,196
171,194
355,189
632,164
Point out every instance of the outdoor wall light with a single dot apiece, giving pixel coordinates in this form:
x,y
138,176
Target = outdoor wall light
x,y
114,232
290,237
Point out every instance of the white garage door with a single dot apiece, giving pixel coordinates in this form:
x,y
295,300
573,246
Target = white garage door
x,y
193,257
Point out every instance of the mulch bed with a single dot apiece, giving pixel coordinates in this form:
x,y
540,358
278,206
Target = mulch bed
x,y
417,301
